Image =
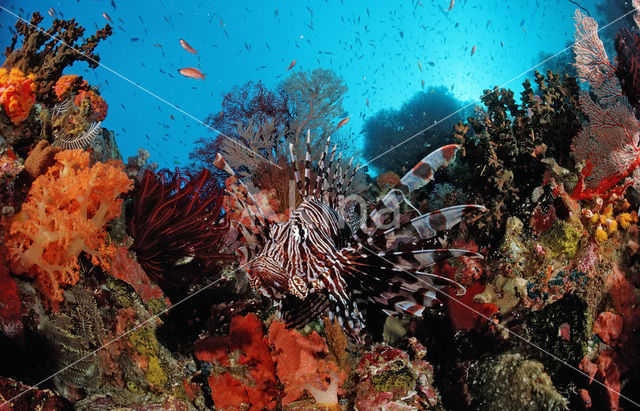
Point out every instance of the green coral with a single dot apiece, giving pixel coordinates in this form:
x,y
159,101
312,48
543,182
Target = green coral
x,y
390,379
156,305
144,341
121,292
563,238
512,382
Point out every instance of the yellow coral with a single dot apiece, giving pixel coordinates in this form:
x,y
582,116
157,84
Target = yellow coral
x,y
601,235
155,374
17,94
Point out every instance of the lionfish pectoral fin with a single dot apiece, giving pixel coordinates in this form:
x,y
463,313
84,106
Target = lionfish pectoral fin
x,y
297,312
423,227
417,259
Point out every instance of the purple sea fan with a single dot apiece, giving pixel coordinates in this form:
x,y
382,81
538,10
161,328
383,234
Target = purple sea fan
x,y
177,227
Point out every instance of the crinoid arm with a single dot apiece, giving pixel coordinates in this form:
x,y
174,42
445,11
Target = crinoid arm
x,y
79,141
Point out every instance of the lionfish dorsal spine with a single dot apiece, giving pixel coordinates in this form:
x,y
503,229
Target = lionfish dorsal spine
x,y
326,189
321,178
307,167
296,170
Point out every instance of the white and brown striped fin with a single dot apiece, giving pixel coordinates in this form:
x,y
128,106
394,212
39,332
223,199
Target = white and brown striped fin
x,y
307,167
322,171
417,259
398,290
416,178
423,227
327,189
296,170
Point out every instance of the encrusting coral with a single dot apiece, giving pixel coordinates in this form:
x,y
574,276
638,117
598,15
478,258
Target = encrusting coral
x,y
64,215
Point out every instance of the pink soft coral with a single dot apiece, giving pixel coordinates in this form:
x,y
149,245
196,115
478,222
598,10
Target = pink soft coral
x,y
65,214
17,94
301,366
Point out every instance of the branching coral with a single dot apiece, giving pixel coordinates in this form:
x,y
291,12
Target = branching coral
x,y
46,53
176,227
17,94
501,161
65,214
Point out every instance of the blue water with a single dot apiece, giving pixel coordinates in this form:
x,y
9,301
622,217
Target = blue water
x,y
375,46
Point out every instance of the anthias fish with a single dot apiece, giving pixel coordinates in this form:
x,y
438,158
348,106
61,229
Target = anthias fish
x,y
192,73
315,260
187,47
343,122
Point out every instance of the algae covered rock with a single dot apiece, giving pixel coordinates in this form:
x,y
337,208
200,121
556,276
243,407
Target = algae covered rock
x,y
512,382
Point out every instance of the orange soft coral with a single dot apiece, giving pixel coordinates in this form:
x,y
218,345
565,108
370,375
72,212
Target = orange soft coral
x,y
99,107
17,94
65,214
243,372
301,366
69,84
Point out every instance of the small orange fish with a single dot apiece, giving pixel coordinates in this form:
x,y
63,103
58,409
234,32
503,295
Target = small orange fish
x,y
106,16
342,122
453,2
473,50
420,65
192,73
187,47
293,63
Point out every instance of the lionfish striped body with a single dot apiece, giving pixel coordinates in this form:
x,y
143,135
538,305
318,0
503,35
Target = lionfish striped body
x,y
315,261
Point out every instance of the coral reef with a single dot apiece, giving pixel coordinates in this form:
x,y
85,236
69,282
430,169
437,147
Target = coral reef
x,y
46,57
300,366
242,370
389,378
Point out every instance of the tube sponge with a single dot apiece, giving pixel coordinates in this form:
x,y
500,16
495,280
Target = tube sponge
x,y
65,213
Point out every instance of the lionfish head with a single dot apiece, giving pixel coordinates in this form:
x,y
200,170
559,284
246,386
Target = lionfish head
x,y
267,275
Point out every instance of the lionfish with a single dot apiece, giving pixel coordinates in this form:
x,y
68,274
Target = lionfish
x,y
315,260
